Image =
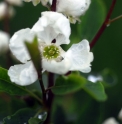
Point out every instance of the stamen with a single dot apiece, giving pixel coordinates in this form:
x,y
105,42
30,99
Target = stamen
x,y
51,52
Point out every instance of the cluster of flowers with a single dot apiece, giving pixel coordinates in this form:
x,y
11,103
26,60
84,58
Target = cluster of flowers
x,y
4,36
52,30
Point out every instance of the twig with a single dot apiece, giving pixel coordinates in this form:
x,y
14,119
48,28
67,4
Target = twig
x,y
7,29
50,96
53,7
112,20
50,79
104,25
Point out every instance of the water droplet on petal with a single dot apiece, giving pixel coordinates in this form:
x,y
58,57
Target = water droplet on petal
x,y
39,116
82,8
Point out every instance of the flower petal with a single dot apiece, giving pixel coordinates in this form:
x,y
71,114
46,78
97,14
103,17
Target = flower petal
x,y
17,45
35,2
54,24
23,74
80,56
73,8
110,120
15,2
57,67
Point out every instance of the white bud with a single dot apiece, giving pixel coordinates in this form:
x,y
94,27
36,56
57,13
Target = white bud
x,y
73,9
110,121
3,8
4,40
120,115
15,2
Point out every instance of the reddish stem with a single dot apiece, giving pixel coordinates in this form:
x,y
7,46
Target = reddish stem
x,y
104,25
50,79
53,7
50,97
7,29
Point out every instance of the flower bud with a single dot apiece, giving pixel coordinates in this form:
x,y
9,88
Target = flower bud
x,y
4,38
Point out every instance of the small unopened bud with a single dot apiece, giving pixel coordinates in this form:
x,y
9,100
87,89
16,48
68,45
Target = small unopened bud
x,y
110,120
120,115
4,41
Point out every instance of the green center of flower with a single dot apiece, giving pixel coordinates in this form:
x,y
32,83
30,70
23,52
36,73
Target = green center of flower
x,y
51,52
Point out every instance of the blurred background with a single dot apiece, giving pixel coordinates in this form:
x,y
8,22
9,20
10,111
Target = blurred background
x,y
79,108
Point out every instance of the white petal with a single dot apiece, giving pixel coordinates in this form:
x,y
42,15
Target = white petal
x,y
3,7
110,121
27,0
44,2
57,67
17,44
15,2
47,35
35,2
73,8
23,74
55,22
4,41
60,39
80,56
120,115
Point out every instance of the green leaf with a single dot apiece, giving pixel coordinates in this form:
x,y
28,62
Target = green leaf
x,y
35,54
92,20
20,117
7,86
96,90
68,84
10,104
35,121
109,78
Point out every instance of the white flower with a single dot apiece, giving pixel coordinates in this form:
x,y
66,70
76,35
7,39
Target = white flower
x,y
110,121
52,30
23,74
35,2
4,41
3,8
72,8
15,2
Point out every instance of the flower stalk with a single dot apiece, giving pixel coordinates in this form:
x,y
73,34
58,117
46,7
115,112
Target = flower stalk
x,y
104,25
113,20
50,79
53,7
7,29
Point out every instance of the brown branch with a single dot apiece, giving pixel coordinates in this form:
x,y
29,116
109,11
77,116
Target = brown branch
x,y
7,29
50,97
104,25
53,7
50,79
